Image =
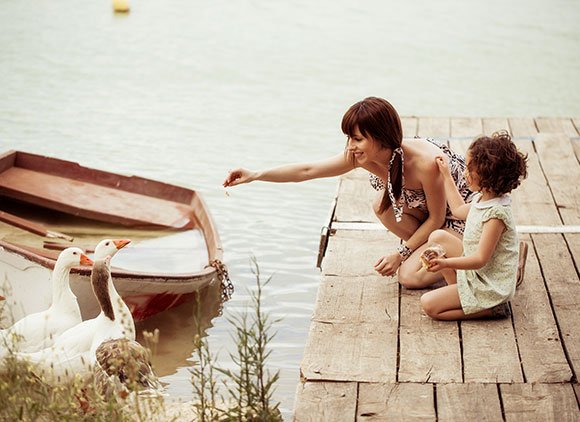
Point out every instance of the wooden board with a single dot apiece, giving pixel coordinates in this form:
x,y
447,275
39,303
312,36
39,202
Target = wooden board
x,y
466,127
495,124
490,352
539,402
541,353
468,402
363,352
325,401
522,127
562,172
436,127
532,200
357,300
354,252
355,198
429,349
409,126
396,402
564,289
556,125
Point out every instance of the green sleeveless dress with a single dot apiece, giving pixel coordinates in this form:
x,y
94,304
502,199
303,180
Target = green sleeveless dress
x,y
494,283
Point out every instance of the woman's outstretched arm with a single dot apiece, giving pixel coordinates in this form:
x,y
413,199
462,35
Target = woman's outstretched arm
x,y
299,172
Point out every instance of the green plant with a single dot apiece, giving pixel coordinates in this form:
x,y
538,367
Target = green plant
x,y
250,387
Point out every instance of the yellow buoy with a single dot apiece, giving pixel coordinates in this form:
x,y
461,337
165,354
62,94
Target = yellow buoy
x,y
121,6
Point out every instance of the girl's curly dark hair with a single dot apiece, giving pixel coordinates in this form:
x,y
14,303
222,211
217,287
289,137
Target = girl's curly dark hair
x,y
500,166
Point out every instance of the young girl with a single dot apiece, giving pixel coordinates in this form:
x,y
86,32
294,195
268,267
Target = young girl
x,y
481,271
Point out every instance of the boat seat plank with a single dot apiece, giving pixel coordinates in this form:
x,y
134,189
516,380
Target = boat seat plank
x,y
91,200
541,353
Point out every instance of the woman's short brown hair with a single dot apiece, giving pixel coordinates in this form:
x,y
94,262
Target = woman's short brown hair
x,y
498,163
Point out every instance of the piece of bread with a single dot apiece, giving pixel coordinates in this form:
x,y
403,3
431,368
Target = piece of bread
x,y
433,251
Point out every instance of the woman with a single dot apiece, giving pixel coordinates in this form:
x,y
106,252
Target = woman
x,y
411,200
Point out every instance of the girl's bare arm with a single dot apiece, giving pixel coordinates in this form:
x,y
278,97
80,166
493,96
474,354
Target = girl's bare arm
x,y
457,205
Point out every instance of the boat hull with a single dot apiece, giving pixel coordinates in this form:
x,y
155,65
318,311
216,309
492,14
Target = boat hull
x,y
25,283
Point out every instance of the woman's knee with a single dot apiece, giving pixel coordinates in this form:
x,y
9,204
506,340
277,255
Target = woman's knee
x,y
438,236
409,278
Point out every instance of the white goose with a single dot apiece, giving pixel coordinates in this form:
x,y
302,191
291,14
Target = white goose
x,y
39,330
74,352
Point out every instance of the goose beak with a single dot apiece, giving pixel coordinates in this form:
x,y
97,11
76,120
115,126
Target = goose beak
x,y
121,243
2,297
86,261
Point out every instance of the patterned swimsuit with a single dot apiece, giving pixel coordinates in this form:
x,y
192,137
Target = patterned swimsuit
x,y
415,198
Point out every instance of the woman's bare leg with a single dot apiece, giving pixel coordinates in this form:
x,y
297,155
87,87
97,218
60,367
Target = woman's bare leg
x,y
404,229
444,304
412,275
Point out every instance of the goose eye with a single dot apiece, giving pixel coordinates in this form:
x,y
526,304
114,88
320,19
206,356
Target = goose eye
x,y
75,253
108,243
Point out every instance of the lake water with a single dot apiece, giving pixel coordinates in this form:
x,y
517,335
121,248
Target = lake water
x,y
182,91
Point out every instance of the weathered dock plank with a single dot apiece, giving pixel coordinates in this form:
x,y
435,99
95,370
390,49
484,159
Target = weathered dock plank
x,y
564,288
366,246
541,353
355,198
562,172
437,127
522,127
495,124
410,125
429,349
325,401
539,402
490,352
532,201
468,402
396,402
466,127
350,352
357,300
556,125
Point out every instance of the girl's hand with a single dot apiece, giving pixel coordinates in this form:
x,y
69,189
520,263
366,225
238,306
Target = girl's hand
x,y
437,264
443,165
239,176
388,265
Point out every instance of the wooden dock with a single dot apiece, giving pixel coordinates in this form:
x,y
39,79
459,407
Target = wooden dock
x,y
372,355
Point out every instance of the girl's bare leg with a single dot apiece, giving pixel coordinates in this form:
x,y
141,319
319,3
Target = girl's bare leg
x,y
444,304
412,275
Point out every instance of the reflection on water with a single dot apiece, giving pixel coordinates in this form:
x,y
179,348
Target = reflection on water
x,y
177,328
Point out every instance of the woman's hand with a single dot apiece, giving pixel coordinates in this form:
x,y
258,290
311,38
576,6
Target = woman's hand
x,y
443,165
388,265
239,176
436,265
